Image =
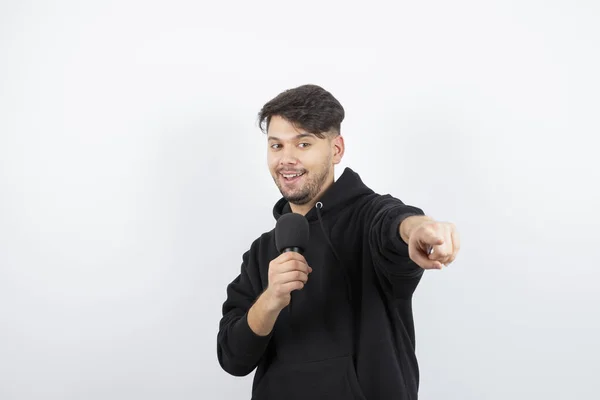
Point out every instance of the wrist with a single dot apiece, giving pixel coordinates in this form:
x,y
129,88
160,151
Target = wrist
x,y
263,314
269,303
409,224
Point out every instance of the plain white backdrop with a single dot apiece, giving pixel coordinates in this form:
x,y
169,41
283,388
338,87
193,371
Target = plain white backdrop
x,y
133,176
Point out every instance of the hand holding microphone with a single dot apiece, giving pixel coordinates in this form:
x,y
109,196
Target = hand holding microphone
x,y
289,271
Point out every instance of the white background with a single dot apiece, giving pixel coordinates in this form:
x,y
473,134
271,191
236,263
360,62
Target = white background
x,y
133,176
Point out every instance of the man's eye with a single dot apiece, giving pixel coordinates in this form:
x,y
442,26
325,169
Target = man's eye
x,y
304,144
275,146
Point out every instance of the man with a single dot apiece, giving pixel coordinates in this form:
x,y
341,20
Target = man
x,y
350,333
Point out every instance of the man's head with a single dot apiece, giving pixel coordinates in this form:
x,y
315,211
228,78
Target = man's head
x,y
303,133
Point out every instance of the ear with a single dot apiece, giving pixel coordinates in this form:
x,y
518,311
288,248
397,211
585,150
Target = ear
x,y
337,144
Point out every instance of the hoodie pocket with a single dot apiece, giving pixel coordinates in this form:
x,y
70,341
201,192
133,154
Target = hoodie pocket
x,y
330,379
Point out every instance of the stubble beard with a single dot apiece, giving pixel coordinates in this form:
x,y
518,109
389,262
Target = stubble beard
x,y
310,189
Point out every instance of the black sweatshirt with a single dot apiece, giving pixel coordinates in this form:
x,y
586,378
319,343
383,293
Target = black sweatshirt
x,y
349,332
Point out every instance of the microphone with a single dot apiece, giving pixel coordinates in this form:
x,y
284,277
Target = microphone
x,y
291,234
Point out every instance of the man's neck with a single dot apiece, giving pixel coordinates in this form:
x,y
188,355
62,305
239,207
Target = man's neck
x,y
303,209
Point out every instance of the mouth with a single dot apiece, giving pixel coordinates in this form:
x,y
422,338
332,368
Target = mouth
x,y
291,177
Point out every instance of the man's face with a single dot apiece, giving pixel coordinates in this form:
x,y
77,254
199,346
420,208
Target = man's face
x,y
301,164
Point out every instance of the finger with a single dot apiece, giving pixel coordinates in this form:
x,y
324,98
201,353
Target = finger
x,y
290,286
422,261
439,253
295,265
290,255
452,246
431,237
291,277
443,251
446,260
292,265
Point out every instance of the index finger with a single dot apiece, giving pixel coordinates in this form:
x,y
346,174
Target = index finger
x,y
291,255
422,261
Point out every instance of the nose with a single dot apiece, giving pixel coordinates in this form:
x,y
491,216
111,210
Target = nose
x,y
288,156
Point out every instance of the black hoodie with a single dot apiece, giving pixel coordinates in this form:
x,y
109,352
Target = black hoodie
x,y
349,333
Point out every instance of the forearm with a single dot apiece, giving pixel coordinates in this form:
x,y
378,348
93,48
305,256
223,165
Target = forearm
x,y
263,315
407,226
243,341
240,349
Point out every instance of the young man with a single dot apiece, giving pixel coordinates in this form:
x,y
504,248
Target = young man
x,y
350,332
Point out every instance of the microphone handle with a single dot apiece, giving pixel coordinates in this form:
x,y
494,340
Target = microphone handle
x,y
288,249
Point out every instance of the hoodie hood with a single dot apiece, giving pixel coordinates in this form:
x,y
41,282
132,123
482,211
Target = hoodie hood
x,y
345,190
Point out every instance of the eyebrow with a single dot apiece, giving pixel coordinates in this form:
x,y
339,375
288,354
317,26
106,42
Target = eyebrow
x,y
300,136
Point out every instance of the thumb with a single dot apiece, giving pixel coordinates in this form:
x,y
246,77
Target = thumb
x,y
424,262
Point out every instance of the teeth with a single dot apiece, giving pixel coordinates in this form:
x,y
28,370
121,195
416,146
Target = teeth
x,y
290,175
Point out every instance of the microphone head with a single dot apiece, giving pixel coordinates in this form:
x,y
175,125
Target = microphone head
x,y
291,231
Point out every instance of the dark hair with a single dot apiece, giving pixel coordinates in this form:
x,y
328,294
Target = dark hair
x,y
309,107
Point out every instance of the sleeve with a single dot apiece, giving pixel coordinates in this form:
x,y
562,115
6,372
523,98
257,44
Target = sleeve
x,y
239,349
388,251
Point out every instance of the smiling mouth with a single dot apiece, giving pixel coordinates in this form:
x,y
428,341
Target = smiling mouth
x,y
292,177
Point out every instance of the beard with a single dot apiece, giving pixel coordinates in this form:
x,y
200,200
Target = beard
x,y
311,187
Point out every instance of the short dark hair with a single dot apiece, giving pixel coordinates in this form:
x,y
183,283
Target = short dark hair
x,y
309,107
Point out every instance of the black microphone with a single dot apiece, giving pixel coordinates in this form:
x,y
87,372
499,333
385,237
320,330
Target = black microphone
x,y
291,234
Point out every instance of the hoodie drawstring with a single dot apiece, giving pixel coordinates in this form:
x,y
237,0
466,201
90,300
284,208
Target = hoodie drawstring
x,y
318,206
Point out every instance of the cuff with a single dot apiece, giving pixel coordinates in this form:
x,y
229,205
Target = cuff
x,y
400,245
247,343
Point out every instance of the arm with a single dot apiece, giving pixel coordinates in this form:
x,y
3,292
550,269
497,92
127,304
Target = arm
x,y
389,252
239,348
288,272
399,232
262,315
247,325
